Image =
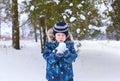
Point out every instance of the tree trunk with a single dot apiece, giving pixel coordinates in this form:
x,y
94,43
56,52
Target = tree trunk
x,y
44,37
40,29
42,33
0,25
35,32
116,18
15,25
0,17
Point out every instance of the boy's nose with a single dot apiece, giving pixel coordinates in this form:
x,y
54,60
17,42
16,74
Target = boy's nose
x,y
61,36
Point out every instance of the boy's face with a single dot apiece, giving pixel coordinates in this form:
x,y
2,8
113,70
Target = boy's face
x,y
60,37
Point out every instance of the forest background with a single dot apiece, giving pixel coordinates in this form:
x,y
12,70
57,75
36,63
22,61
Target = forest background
x,y
87,19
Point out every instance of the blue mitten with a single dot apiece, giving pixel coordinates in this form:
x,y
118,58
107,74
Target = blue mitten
x,y
57,53
66,52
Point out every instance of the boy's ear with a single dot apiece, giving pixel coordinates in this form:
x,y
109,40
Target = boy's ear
x,y
53,38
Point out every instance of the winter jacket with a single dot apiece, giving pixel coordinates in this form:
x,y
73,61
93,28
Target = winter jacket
x,y
59,68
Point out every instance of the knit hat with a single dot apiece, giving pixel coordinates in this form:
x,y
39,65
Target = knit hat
x,y
60,27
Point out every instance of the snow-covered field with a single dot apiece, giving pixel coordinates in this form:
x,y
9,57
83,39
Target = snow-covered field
x,y
97,61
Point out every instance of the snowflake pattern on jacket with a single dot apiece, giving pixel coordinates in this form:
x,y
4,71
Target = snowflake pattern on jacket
x,y
59,68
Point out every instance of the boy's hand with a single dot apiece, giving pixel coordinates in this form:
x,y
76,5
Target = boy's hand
x,y
66,52
61,50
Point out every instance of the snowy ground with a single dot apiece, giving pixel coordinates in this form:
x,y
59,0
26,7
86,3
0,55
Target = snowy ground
x,y
97,61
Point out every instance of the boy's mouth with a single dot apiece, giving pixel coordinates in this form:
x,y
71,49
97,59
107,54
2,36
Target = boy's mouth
x,y
61,40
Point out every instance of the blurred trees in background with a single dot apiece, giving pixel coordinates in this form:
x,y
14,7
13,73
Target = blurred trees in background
x,y
88,19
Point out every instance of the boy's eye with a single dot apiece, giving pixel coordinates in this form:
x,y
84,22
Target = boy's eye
x,y
62,34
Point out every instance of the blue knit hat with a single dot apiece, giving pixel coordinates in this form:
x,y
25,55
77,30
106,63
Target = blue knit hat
x,y
60,27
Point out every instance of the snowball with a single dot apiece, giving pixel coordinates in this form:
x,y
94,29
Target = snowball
x,y
61,48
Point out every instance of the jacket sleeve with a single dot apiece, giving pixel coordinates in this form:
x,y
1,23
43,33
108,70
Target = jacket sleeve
x,y
72,54
49,55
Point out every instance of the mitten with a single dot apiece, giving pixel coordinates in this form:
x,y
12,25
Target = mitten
x,y
66,52
58,54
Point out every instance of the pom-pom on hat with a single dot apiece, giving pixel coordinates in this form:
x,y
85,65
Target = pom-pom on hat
x,y
60,27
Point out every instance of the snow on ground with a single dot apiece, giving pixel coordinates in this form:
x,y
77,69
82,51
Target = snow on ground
x,y
97,61
21,65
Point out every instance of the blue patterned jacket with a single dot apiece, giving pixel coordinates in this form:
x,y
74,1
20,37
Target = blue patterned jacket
x,y
59,68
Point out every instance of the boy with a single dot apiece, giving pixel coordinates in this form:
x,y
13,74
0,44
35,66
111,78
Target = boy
x,y
59,53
